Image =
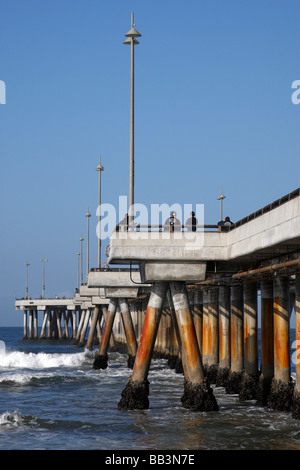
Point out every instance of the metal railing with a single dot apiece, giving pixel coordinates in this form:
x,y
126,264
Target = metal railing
x,y
163,228
268,208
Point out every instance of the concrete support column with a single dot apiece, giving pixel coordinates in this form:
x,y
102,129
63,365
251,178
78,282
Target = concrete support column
x,y
66,316
89,343
49,321
54,332
198,395
31,324
175,357
139,319
43,330
135,394
35,324
249,385
58,322
198,317
25,325
280,397
213,340
205,340
74,323
168,332
129,331
100,361
112,342
267,342
224,336
80,326
161,335
236,340
296,355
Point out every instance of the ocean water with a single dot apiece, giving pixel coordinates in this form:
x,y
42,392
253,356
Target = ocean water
x,y
52,399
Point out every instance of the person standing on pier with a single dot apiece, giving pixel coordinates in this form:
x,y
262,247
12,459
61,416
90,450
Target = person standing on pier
x,y
191,223
172,223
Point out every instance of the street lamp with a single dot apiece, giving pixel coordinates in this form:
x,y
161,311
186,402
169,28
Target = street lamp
x,y
43,261
78,279
81,240
132,41
220,198
88,215
99,168
27,264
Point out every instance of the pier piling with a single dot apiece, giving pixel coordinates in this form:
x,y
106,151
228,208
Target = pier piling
x,y
100,361
281,392
236,340
129,331
296,397
249,383
224,336
135,394
198,395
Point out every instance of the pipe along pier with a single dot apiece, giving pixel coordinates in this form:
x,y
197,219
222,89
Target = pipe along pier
x,y
196,300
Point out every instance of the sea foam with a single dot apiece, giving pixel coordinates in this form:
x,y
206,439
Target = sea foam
x,y
21,360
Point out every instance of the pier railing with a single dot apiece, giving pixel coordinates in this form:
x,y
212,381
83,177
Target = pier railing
x,y
212,228
165,227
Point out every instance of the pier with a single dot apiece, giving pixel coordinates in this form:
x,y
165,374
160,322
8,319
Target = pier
x,y
193,300
191,297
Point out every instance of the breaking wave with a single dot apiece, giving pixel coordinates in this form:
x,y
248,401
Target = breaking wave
x,y
22,360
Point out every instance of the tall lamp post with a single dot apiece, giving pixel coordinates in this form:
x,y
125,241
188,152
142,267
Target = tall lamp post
x,y
132,41
220,198
27,264
43,261
88,215
81,240
78,270
99,168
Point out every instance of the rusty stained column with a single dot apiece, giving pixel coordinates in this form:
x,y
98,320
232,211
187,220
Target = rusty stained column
x,y
175,353
224,336
198,317
236,340
281,392
129,331
168,333
135,395
205,328
160,343
164,322
249,384
296,354
140,317
198,395
213,340
96,312
100,361
267,342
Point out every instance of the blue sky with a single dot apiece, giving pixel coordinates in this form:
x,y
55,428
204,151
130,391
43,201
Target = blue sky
x,y
212,108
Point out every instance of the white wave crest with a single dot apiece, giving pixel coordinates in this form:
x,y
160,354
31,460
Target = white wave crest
x,y
11,420
17,360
